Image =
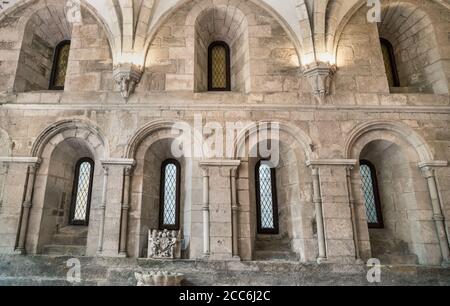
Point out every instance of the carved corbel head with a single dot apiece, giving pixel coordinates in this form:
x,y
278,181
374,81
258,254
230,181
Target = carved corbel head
x,y
127,76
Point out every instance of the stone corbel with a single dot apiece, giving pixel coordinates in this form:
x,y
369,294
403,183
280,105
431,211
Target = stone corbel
x,y
320,76
127,76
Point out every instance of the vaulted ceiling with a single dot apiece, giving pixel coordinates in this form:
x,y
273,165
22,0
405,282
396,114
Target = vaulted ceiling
x,y
314,25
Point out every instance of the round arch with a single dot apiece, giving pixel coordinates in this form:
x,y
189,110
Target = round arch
x,y
416,142
296,133
23,20
168,126
206,4
71,128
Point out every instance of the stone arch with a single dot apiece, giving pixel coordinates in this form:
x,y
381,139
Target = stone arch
x,y
22,8
296,238
408,235
296,133
59,148
150,147
404,133
411,31
38,27
169,13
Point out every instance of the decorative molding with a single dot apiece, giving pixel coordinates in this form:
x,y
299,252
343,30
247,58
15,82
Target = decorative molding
x,y
127,76
118,162
220,163
434,164
332,162
20,160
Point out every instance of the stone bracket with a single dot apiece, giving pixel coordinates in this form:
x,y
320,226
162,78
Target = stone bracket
x,y
320,76
127,76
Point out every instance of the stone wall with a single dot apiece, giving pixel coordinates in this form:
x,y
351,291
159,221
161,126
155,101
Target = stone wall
x,y
421,61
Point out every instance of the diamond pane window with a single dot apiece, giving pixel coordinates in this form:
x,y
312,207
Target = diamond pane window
x,y
219,67
170,195
82,191
371,196
60,62
266,199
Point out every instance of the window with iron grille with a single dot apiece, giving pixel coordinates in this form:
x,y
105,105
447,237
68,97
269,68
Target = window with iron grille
x,y
371,194
169,216
60,63
219,78
82,192
390,63
266,199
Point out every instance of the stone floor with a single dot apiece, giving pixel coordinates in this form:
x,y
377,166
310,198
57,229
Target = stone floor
x,y
52,270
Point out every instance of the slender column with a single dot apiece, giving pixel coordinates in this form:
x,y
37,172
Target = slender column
x,y
438,217
5,168
206,231
352,203
319,215
26,207
235,213
103,210
125,210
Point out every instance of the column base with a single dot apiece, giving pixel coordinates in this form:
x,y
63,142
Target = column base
x,y
20,252
236,258
321,260
122,255
446,264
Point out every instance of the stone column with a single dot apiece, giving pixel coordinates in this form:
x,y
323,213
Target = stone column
x,y
235,213
352,204
219,220
125,209
438,217
116,205
103,210
26,207
205,208
319,215
4,173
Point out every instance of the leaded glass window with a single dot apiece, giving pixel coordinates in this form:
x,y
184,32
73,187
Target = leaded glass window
x,y
60,62
371,194
266,199
82,191
170,195
219,67
390,63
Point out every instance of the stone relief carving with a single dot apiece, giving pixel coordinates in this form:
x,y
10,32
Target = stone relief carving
x,y
164,244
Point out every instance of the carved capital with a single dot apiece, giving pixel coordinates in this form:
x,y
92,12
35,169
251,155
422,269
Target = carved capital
x,y
320,76
428,172
127,76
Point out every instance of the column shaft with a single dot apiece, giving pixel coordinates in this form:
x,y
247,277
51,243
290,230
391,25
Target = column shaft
x,y
235,213
103,210
26,207
319,215
125,210
206,231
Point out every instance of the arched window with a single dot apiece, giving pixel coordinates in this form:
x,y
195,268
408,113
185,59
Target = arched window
x,y
59,69
82,192
390,63
266,199
219,78
371,194
169,207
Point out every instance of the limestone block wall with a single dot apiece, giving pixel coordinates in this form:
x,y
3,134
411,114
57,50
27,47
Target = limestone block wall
x,y
420,59
359,58
327,128
90,60
269,64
